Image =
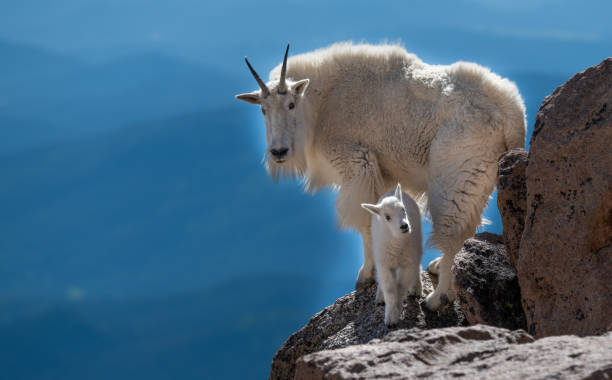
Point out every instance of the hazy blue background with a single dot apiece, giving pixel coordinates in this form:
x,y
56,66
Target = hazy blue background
x,y
140,236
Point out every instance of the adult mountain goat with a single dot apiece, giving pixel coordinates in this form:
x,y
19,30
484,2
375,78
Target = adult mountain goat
x,y
363,117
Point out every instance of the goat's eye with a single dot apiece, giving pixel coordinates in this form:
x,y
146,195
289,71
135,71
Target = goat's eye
x,y
263,111
387,217
291,106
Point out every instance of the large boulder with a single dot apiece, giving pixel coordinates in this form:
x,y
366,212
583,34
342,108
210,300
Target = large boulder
x,y
356,319
512,199
475,352
486,284
565,256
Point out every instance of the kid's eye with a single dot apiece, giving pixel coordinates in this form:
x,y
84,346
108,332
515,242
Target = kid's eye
x,y
291,106
387,217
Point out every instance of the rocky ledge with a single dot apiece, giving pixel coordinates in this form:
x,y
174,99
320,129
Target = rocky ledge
x,y
356,319
474,352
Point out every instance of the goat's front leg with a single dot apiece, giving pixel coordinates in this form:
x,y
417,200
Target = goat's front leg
x,y
365,278
361,183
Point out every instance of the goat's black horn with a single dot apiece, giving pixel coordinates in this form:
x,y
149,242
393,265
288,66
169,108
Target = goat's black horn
x,y
261,83
282,86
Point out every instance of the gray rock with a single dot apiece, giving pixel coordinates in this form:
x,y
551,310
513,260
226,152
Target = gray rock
x,y
565,255
486,284
356,319
475,352
512,199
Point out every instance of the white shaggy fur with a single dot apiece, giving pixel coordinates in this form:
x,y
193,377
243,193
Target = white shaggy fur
x,y
362,118
398,248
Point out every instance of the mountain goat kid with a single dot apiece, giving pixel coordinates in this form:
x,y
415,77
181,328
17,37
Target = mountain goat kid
x,y
398,248
362,118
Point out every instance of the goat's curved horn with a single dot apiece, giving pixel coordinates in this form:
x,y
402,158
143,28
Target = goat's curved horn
x,y
262,85
282,86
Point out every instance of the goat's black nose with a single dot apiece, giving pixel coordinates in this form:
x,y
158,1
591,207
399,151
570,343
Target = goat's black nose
x,y
404,226
279,153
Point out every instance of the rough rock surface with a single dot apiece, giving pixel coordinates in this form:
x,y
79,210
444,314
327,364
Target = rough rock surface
x,y
356,319
512,199
475,352
486,284
565,257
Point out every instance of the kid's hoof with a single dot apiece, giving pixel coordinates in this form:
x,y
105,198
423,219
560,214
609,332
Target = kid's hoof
x,y
392,315
391,321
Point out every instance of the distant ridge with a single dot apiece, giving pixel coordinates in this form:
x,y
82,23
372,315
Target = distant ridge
x,y
47,97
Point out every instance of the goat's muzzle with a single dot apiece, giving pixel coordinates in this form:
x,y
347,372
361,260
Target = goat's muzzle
x,y
279,153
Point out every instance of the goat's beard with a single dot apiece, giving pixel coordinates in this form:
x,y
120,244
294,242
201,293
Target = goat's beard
x,y
292,168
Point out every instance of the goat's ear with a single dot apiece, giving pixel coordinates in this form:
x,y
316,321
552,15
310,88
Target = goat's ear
x,y
252,97
371,208
299,87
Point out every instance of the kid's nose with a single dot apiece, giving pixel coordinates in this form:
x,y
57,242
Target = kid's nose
x,y
404,226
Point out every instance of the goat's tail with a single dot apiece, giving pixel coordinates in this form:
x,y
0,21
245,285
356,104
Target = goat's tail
x,y
514,120
515,131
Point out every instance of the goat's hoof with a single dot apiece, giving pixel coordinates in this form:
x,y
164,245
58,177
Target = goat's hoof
x,y
435,300
364,283
448,297
432,301
434,266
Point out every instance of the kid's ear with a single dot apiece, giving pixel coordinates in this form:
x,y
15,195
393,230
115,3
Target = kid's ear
x,y
299,87
371,208
252,97
398,192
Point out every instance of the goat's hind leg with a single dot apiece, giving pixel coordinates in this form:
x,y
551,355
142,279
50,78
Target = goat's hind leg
x,y
456,202
410,281
450,228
